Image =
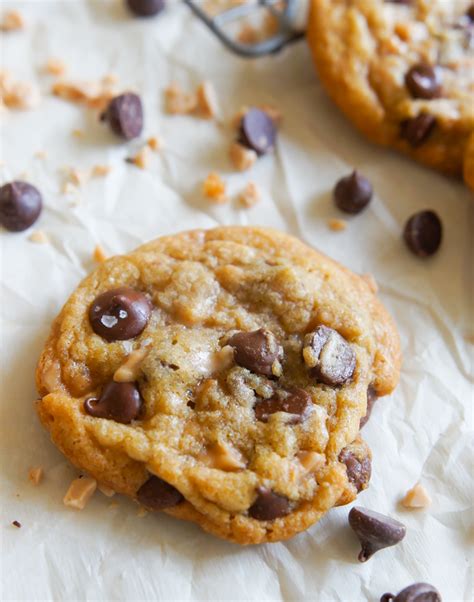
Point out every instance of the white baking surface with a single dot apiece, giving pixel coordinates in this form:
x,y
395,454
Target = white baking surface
x,y
422,432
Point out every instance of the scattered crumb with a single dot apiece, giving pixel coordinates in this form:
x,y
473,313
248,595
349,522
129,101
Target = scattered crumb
x,y
41,154
110,79
99,255
35,475
79,492
141,512
417,497
338,225
141,159
68,188
214,188
242,158
38,236
16,94
77,133
178,102
99,171
107,491
207,102
73,179
92,94
55,67
370,280
17,524
250,195
155,143
12,21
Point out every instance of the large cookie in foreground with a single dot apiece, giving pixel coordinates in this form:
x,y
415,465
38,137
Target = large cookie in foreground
x,y
403,72
220,376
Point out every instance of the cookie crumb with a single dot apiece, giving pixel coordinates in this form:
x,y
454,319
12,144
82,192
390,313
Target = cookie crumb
x,y
141,512
214,189
242,158
129,371
92,94
155,143
38,236
207,101
77,133
74,178
41,154
337,225
417,497
16,524
178,102
35,475
16,94
99,171
99,255
250,196
248,34
110,79
55,67
12,20
79,492
372,283
141,159
107,491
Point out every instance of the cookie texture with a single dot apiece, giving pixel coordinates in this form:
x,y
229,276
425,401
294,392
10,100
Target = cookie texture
x,y
403,73
235,401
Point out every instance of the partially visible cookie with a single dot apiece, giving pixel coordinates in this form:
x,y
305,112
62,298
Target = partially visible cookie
x,y
403,72
220,376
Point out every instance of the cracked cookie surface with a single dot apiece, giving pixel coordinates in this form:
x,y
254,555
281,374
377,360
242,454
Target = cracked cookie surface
x,y
403,73
220,376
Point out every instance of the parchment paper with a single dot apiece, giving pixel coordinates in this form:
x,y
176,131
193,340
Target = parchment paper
x,y
423,432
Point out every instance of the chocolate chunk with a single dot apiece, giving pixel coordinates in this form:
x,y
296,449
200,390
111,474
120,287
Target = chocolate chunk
x,y
371,399
20,205
156,494
146,8
358,470
353,193
330,357
375,531
418,592
119,314
125,115
257,131
470,12
16,524
423,81
269,505
297,404
418,129
423,233
257,351
121,402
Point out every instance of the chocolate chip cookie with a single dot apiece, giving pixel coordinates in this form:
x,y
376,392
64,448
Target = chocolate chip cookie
x,y
403,72
220,376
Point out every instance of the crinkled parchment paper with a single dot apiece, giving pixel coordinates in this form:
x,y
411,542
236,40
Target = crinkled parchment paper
x,y
423,432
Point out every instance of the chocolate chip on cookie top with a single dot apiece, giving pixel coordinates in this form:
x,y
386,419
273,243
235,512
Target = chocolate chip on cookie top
x,y
258,351
296,403
257,131
329,356
120,314
358,469
353,193
121,402
269,505
124,114
418,129
156,494
20,205
423,81
423,233
375,531
417,592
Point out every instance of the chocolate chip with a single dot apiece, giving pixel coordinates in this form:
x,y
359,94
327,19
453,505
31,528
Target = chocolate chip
x,y
125,115
16,524
418,592
269,505
423,233
423,81
470,12
119,314
156,494
297,404
146,8
418,129
121,402
371,399
20,205
353,193
257,351
257,131
329,356
374,530
358,470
